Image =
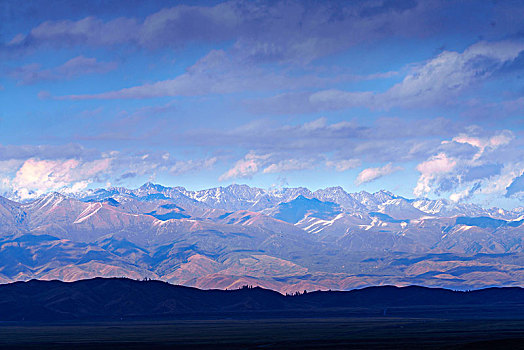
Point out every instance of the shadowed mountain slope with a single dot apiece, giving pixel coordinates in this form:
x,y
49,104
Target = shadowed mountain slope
x,y
124,298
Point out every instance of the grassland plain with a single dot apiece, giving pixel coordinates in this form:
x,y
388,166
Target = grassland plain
x,y
303,333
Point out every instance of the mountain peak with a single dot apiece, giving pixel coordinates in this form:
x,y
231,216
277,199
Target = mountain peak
x,y
245,197
53,196
302,198
50,199
385,192
151,186
235,186
250,234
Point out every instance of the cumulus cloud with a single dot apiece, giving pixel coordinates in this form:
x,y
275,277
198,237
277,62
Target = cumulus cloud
x,y
28,171
466,194
371,174
8,168
431,170
497,184
488,165
36,177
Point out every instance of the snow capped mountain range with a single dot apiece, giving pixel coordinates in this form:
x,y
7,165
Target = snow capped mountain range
x,y
287,239
243,197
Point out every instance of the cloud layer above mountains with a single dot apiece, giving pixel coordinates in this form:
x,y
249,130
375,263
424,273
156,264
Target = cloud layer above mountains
x,y
423,98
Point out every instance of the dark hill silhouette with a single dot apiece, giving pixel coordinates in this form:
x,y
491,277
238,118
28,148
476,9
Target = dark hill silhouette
x,y
118,298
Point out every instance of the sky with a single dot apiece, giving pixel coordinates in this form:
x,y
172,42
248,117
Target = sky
x,y
421,98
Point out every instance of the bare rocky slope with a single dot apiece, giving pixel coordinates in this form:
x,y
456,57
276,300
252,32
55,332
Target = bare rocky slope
x,y
287,240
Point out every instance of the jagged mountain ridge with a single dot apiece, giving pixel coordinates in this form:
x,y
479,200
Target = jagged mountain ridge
x,y
290,239
243,197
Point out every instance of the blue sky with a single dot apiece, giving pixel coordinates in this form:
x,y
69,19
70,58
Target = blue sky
x,y
422,98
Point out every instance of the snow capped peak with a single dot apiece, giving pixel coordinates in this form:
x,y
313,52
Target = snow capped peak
x,y
150,187
244,191
333,192
384,192
243,197
301,199
53,196
48,201
239,187
383,196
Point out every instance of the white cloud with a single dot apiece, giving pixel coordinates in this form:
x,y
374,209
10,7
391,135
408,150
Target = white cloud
x,y
516,187
36,177
502,138
500,183
465,194
432,169
448,74
437,81
459,196
371,174
7,166
436,165
472,163
246,167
